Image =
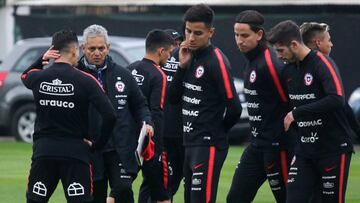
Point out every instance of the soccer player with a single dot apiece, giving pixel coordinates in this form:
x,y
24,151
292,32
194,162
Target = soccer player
x,y
116,163
315,90
268,155
62,95
210,105
317,36
172,122
152,81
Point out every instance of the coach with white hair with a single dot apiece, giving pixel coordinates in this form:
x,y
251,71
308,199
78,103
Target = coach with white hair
x,y
116,163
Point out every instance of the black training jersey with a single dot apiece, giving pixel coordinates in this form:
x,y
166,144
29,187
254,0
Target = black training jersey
x,y
267,100
130,106
210,105
152,82
172,112
62,95
316,91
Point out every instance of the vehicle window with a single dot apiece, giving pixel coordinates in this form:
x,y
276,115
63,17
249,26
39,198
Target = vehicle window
x,y
28,58
118,59
136,53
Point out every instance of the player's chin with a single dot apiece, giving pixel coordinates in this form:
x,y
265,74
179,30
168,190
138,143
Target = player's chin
x,y
243,49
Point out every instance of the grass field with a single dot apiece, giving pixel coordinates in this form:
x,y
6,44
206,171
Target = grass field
x,y
15,164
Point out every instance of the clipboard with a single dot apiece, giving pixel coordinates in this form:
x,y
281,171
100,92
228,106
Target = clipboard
x,y
140,145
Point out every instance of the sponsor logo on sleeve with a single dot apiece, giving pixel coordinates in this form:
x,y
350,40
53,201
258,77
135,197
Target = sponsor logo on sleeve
x,y
171,65
139,78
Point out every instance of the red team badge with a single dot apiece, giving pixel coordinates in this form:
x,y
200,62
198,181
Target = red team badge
x,y
120,86
199,71
252,76
308,79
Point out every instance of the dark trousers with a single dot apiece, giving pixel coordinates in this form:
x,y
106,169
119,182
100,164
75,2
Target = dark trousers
x,y
155,183
119,179
254,168
202,167
331,172
175,156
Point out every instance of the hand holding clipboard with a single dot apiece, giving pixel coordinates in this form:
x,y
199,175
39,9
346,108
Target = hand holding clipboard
x,y
146,147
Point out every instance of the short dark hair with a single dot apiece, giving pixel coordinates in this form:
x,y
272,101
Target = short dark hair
x,y
285,32
200,13
254,19
63,39
251,17
310,30
158,38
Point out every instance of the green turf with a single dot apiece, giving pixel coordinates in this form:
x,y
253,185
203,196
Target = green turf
x,y
15,164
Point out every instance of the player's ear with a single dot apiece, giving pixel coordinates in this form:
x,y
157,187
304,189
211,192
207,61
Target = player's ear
x,y
211,31
317,42
160,51
74,50
294,44
259,34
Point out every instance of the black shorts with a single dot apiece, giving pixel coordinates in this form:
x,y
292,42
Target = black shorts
x,y
202,167
45,174
254,167
331,172
155,183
